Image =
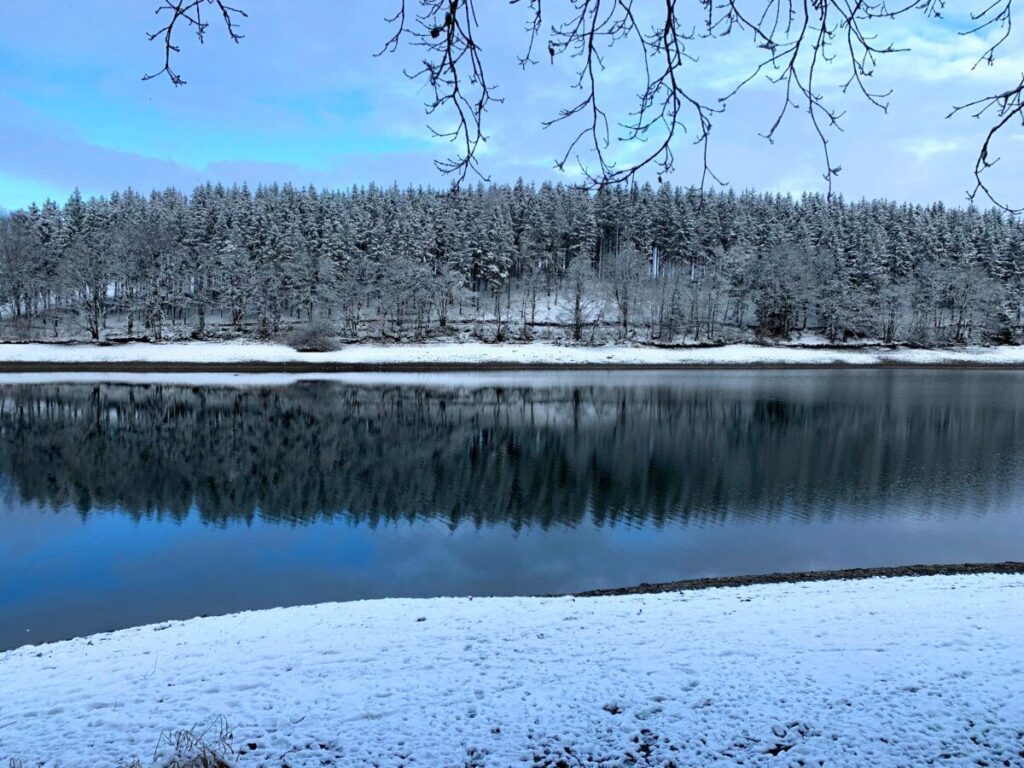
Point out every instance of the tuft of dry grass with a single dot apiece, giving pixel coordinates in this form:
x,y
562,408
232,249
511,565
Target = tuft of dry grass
x,y
206,745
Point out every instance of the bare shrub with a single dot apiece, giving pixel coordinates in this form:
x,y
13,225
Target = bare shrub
x,y
317,337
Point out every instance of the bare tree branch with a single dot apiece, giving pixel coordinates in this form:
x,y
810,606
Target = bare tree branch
x,y
799,39
191,12
1007,107
454,71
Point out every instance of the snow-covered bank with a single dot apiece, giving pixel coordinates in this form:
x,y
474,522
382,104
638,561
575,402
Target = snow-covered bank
x,y
885,672
354,357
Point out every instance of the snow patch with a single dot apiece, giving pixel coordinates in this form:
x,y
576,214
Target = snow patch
x,y
900,671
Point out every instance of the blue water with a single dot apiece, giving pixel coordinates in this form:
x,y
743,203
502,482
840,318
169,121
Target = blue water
x,y
126,504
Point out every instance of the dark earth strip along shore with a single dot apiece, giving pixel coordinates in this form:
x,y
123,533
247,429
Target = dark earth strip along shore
x,y
850,574
445,367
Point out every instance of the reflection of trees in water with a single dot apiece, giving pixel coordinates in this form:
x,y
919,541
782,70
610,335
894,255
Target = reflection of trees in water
x,y
521,456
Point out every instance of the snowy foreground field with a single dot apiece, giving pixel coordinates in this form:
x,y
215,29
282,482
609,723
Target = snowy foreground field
x,y
881,672
475,353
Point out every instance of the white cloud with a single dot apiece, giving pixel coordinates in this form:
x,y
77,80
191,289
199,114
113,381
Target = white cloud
x,y
925,148
956,57
797,182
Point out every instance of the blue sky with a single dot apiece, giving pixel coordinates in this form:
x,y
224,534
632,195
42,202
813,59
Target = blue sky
x,y
303,99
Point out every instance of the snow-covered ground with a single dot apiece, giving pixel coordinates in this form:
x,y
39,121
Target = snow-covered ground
x,y
474,353
881,672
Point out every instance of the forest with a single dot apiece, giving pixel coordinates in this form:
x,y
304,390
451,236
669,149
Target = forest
x,y
643,264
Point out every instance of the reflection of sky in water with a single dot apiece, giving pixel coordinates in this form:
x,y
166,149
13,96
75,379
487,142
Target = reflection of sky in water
x,y
725,473
60,576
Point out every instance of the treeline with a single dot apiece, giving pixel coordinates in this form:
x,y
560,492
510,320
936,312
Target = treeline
x,y
659,265
517,456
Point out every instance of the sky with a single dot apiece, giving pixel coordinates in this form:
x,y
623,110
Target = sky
x,y
303,99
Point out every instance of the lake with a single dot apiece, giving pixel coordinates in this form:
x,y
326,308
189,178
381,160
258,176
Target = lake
x,y
141,499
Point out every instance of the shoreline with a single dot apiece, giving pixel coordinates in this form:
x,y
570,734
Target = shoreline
x,y
251,357
1007,568
802,577
483,367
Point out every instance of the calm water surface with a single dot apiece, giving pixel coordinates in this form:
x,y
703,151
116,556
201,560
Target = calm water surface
x,y
130,502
